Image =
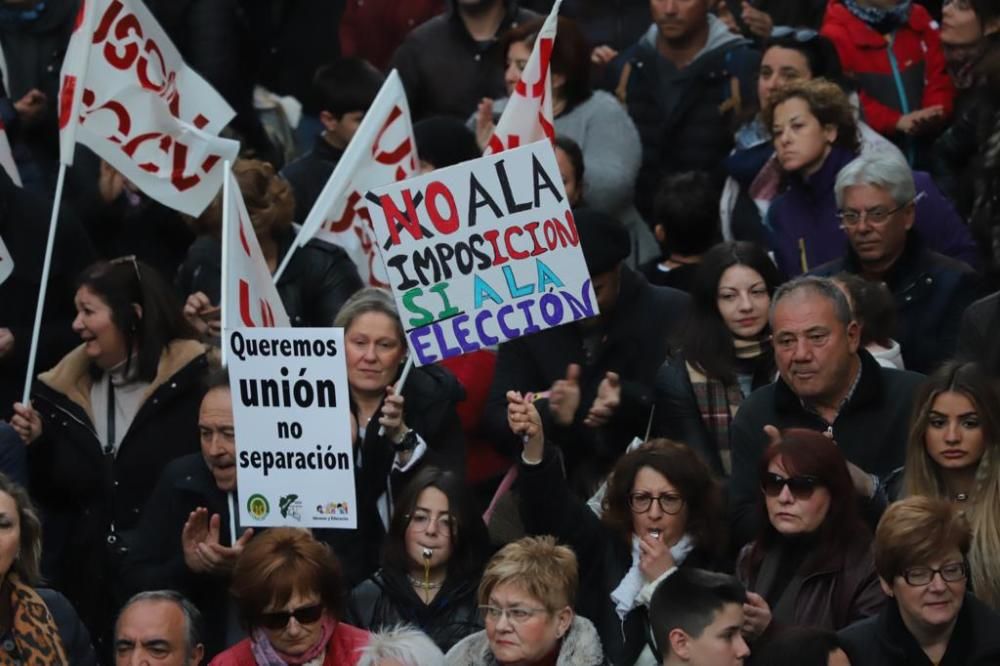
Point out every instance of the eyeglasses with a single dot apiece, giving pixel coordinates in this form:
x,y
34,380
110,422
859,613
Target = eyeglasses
x,y
801,487
950,573
516,615
670,503
130,258
420,521
279,619
798,34
877,215
962,5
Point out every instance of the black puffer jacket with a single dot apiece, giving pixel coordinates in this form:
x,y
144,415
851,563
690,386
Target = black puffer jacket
x,y
320,277
72,633
387,599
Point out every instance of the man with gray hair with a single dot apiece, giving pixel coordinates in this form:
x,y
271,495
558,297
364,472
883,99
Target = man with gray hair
x,y
826,383
402,645
160,627
876,200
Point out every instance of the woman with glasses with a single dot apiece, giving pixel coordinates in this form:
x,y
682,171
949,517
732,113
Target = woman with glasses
x,y
661,510
726,351
811,565
815,135
954,454
289,593
104,422
921,546
432,560
526,600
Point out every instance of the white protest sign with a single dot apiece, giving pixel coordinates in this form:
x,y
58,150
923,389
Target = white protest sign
x,y
294,455
482,252
7,157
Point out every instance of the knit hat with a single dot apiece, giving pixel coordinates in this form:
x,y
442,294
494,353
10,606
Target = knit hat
x,y
443,141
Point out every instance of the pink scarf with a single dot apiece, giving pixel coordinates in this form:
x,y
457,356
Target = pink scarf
x,y
266,654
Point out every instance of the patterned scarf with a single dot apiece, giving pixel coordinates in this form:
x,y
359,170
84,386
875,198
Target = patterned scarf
x,y
882,21
718,402
265,654
34,631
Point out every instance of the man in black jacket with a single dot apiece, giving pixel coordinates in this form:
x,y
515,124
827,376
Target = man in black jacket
x,y
826,383
593,378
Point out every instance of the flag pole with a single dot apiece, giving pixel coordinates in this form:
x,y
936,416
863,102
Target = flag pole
x,y
231,498
285,260
223,301
46,268
399,384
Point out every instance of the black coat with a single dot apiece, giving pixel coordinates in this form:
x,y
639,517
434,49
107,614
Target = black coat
x,y
387,599
931,291
319,278
978,333
308,175
70,479
72,632
883,640
634,345
871,430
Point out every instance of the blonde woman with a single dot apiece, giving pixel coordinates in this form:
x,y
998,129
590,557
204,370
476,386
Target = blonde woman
x,y
953,453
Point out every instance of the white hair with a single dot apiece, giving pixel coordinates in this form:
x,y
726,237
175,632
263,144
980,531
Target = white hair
x,y
885,170
402,643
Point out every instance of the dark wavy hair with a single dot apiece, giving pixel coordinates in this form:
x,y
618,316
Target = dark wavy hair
x,y
692,478
126,282
806,452
707,341
469,539
570,54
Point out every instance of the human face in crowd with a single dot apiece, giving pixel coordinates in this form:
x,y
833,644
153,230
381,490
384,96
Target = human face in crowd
x,y
720,644
340,131
374,352
927,609
517,59
218,439
779,67
959,25
606,287
670,527
10,533
814,351
525,640
743,301
800,141
678,20
431,527
103,341
954,436
153,632
791,515
877,244
569,177
295,637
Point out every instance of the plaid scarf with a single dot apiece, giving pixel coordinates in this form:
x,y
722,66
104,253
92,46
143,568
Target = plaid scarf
x,y
32,627
718,401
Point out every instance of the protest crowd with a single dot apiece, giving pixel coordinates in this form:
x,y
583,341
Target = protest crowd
x,y
517,332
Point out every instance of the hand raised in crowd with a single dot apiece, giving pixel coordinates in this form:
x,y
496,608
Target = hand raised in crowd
x,y
202,315
484,122
391,417
921,120
31,106
756,616
110,183
6,342
564,396
609,396
524,420
655,558
603,54
26,422
200,541
757,20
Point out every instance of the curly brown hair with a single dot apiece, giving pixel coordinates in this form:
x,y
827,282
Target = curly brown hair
x,y
828,103
268,198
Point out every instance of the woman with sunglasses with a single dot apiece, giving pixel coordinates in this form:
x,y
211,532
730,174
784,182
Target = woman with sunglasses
x,y
526,600
661,510
432,560
921,550
954,454
815,135
812,564
289,594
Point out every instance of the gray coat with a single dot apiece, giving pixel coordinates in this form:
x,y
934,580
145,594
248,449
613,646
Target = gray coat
x,y
580,647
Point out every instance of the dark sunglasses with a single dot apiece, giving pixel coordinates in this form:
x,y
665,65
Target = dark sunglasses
x,y
801,487
801,35
279,619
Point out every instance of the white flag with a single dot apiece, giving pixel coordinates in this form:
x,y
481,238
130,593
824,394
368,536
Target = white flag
x,y
382,151
7,160
250,295
6,262
127,94
528,115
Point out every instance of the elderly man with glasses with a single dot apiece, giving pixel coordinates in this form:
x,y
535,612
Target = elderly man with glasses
x,y
876,200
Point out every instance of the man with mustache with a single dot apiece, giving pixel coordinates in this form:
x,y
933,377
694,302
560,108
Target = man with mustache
x,y
826,383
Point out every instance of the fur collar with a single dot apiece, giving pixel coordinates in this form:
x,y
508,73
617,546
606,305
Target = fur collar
x,y
71,376
580,647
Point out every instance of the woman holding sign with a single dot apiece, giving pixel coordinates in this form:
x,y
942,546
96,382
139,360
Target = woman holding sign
x,y
105,421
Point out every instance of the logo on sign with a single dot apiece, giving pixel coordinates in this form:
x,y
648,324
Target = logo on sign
x,y
290,507
334,510
258,506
